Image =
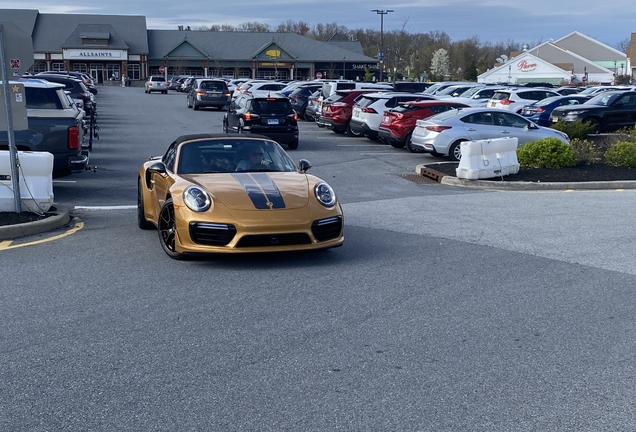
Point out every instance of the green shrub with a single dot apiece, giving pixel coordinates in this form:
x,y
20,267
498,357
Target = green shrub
x,y
575,130
585,152
546,153
623,153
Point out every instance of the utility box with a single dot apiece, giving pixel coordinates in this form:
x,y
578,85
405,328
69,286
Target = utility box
x,y
488,158
36,181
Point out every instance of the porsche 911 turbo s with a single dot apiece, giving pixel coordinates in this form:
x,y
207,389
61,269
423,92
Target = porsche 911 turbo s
x,y
221,194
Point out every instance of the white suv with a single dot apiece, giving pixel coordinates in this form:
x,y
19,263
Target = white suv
x,y
514,99
368,110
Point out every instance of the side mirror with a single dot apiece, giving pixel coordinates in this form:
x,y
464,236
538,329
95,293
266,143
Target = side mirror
x,y
158,168
303,166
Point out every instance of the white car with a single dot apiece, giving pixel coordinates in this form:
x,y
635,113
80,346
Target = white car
x,y
367,112
442,134
514,99
239,88
476,97
262,88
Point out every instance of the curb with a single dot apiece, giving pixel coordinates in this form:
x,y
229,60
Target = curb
x,y
59,218
448,180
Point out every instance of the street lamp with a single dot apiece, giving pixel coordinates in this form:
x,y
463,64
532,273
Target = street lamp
x,y
381,53
343,67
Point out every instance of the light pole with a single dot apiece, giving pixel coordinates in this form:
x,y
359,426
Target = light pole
x,y
381,53
343,67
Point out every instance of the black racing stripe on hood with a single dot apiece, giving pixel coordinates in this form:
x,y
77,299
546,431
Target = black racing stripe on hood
x,y
261,190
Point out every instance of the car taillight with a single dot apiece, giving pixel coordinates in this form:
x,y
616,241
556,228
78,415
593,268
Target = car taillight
x,y
200,92
250,116
297,97
150,84
292,116
539,110
436,128
369,110
507,102
74,137
226,94
403,116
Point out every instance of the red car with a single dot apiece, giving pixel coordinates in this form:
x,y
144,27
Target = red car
x,y
398,123
336,111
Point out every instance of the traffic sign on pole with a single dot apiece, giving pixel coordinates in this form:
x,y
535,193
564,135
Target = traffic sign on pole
x,y
16,57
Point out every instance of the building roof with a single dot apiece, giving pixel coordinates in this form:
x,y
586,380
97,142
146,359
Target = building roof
x,y
51,31
590,48
556,54
246,45
92,32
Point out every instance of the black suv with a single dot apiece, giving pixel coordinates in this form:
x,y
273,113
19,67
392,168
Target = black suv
x,y
272,116
608,111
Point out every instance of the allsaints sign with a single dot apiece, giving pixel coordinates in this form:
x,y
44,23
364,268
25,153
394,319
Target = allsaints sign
x,y
93,54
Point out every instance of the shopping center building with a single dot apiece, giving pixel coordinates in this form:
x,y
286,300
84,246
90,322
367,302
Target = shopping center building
x,y
115,46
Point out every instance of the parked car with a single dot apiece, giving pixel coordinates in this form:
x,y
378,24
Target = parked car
x,y
231,85
337,109
456,90
312,112
567,90
156,83
410,86
187,84
398,123
299,97
476,97
262,88
606,112
539,112
83,98
239,88
442,134
88,81
513,99
206,93
271,116
199,203
439,86
175,82
55,125
367,111
594,90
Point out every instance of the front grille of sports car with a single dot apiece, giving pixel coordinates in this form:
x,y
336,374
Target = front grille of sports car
x,y
327,229
212,234
273,240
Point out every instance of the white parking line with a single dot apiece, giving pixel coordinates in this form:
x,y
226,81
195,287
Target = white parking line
x,y
123,207
358,145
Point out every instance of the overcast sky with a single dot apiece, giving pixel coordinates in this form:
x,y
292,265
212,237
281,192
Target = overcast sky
x,y
491,20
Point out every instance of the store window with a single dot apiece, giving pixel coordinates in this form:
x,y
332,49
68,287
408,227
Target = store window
x,y
80,67
271,74
134,72
57,66
113,71
37,67
245,73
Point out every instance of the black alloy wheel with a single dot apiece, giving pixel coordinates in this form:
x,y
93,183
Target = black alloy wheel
x,y
167,230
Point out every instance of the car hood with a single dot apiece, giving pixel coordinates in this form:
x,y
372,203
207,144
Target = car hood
x,y
256,190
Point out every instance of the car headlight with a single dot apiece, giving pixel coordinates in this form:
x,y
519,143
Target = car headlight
x,y
574,113
325,194
196,199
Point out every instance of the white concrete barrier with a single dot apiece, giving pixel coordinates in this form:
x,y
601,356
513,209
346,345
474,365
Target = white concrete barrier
x,y
488,158
36,181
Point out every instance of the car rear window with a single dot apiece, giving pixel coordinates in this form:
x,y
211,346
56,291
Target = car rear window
x,y
42,98
271,106
501,96
365,101
213,85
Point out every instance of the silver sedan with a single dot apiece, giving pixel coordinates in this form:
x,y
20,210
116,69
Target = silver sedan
x,y
442,134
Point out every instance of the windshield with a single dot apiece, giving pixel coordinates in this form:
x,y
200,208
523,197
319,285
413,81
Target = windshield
x,y
228,155
443,116
470,92
603,99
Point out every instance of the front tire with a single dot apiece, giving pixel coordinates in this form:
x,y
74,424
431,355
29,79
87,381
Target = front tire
x,y
195,106
596,126
141,209
188,102
292,145
167,229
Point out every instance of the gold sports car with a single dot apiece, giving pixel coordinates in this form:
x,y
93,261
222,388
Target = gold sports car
x,y
217,193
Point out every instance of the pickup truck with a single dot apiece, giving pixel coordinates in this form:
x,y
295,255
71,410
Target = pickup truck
x,y
56,126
